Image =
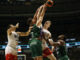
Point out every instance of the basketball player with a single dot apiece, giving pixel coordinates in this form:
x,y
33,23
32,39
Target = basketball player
x,y
47,35
51,56
13,37
61,49
35,42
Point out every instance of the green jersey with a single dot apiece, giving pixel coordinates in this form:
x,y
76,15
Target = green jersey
x,y
35,32
35,44
61,51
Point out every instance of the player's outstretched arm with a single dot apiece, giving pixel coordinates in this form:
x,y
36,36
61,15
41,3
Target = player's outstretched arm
x,y
41,16
25,33
36,15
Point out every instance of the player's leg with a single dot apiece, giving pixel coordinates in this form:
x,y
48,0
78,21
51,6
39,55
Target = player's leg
x,y
36,49
33,51
45,58
11,57
8,57
48,53
51,57
39,50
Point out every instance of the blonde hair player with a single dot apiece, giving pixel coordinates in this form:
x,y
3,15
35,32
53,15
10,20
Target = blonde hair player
x,y
13,37
47,37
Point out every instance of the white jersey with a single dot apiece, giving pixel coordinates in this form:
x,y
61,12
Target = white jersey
x,y
12,43
13,39
47,34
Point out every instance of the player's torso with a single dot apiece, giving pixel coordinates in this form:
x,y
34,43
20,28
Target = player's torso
x,y
46,36
61,51
13,39
35,32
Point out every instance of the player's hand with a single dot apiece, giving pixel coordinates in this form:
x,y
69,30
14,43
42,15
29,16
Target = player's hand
x,y
30,27
11,25
61,42
17,25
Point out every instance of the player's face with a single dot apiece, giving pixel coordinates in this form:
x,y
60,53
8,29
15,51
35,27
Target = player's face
x,y
47,24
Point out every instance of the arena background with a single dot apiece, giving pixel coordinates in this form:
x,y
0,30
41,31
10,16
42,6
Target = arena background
x,y
64,15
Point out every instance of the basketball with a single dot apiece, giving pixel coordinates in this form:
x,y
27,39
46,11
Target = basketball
x,y
49,3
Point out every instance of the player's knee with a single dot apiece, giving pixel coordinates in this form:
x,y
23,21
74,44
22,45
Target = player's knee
x,y
54,58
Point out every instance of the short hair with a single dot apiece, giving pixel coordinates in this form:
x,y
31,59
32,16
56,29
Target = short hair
x,y
62,37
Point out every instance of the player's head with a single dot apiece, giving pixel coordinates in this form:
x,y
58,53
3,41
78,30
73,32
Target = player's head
x,y
47,24
14,27
29,21
61,37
